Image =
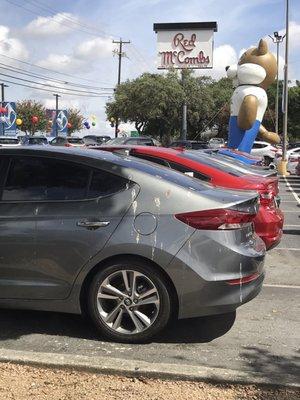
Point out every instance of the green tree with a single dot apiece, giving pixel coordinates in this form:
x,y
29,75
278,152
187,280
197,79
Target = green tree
x,y
75,118
200,103
221,92
152,102
26,109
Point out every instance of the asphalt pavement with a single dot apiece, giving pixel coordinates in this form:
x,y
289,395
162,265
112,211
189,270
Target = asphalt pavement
x,y
261,339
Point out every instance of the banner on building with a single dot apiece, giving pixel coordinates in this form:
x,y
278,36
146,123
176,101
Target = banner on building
x,y
185,45
59,125
8,118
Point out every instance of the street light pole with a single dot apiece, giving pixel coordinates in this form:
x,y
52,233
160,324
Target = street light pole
x,y
283,164
120,55
277,39
56,113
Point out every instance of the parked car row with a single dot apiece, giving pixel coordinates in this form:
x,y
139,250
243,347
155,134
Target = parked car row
x,y
133,236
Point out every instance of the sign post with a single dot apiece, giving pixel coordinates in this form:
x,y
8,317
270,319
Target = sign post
x,y
185,45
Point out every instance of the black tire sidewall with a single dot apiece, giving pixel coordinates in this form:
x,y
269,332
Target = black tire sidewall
x,y
159,281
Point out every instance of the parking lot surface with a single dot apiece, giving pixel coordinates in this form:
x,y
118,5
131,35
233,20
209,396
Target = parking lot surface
x,y
262,338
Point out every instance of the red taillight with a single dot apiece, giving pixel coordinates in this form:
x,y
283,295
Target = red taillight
x,y
245,279
216,219
266,198
68,145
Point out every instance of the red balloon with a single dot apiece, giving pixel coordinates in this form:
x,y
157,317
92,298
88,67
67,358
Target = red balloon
x,y
3,110
69,125
34,119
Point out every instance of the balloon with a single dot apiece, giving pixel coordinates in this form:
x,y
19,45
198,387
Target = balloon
x,y
19,121
69,125
93,123
34,119
86,124
2,119
3,110
112,119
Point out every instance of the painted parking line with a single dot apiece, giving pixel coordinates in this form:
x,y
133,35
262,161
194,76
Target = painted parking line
x,y
294,226
281,286
286,248
287,201
291,189
290,211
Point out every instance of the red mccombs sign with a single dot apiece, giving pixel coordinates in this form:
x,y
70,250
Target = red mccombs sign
x,y
182,56
185,45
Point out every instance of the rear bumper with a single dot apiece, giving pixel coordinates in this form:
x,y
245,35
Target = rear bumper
x,y
206,268
268,225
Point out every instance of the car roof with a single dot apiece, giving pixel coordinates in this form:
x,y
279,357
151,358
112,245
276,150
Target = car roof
x,y
131,167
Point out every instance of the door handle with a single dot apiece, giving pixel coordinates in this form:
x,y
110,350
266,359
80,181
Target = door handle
x,y
89,224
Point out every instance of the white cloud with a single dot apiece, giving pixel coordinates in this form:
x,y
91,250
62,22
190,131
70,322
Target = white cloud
x,y
223,55
95,48
63,63
48,26
82,57
10,46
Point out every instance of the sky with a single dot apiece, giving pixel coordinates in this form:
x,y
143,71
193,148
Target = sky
x,y
75,37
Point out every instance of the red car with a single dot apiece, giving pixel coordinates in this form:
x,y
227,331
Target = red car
x,y
269,220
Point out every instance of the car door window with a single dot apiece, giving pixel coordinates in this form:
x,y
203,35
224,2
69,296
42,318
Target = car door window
x,y
42,179
104,183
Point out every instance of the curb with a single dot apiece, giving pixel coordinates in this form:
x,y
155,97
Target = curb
x,y
133,368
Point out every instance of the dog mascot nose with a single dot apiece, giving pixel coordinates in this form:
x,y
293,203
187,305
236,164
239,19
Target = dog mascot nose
x,y
227,68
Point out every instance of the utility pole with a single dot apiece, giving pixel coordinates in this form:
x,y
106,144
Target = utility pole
x,y
120,54
283,163
277,39
56,113
2,104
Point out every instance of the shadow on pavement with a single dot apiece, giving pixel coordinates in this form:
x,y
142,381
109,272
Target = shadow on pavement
x,y
198,330
272,367
16,324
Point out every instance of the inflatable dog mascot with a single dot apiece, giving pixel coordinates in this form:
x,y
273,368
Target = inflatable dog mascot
x,y
254,73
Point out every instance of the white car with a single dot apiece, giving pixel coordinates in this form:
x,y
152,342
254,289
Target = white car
x,y
216,143
292,156
9,141
264,150
293,162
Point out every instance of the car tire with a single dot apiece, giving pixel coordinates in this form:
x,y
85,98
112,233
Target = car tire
x,y
121,315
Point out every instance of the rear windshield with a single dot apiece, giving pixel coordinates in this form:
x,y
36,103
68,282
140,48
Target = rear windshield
x,y
9,141
118,140
211,163
167,174
75,141
38,140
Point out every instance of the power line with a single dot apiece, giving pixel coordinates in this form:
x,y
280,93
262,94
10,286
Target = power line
x,y
52,86
96,32
39,76
51,91
47,69
54,12
48,85
63,23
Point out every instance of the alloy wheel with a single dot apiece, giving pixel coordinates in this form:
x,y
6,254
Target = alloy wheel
x,y
128,301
